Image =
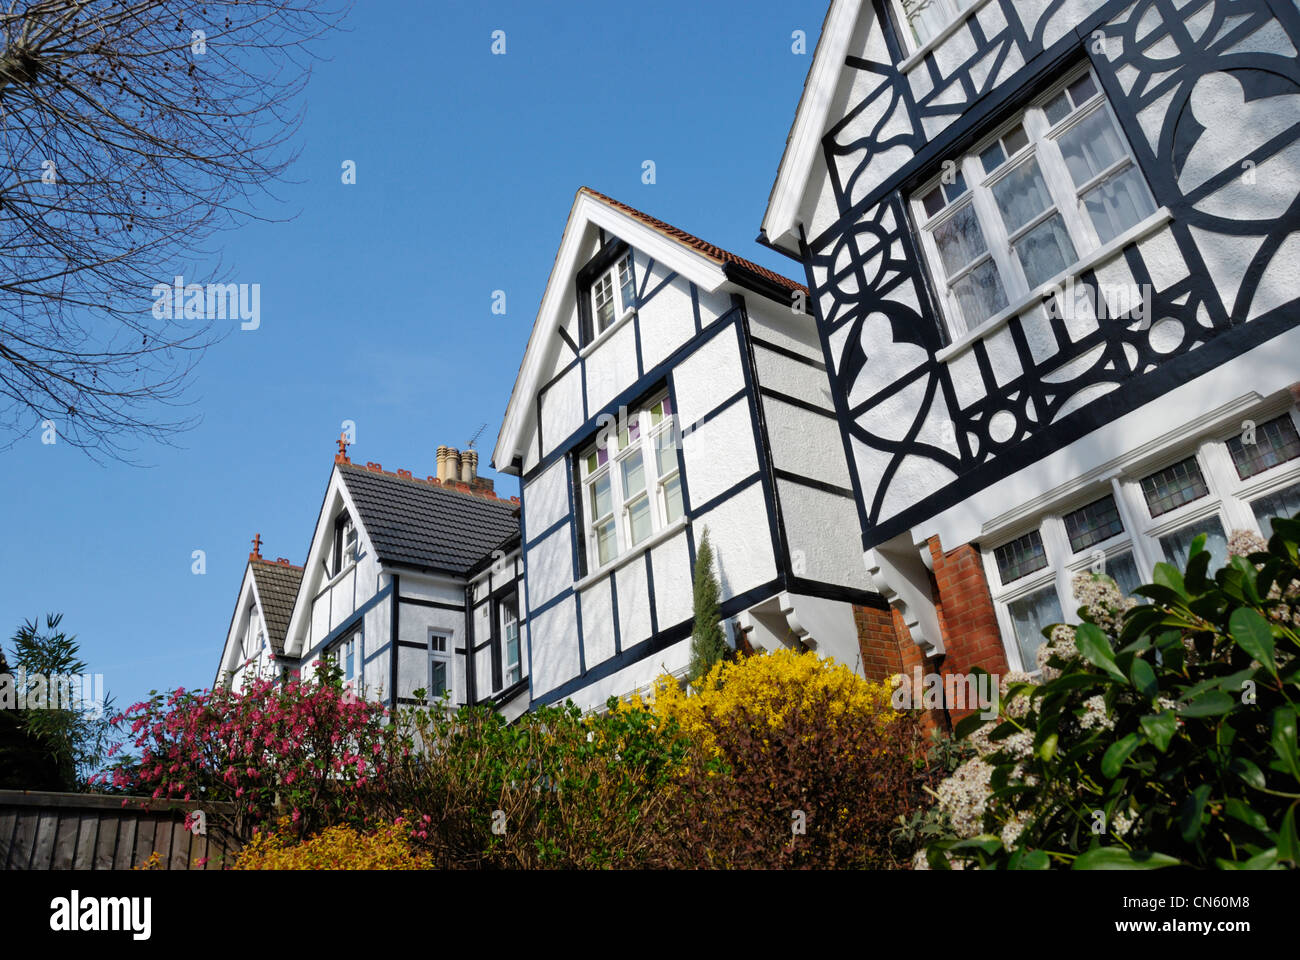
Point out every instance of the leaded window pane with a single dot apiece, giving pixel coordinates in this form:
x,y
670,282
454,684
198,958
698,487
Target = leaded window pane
x,y
1020,557
1092,524
1175,485
1275,442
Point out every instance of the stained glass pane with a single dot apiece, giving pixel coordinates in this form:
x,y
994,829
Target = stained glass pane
x,y
1092,524
933,202
1020,557
1274,442
1174,486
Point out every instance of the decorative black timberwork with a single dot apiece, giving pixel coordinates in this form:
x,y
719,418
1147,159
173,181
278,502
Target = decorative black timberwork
x,y
925,432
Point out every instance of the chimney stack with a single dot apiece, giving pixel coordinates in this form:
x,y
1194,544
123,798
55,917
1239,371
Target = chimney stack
x,y
469,466
448,464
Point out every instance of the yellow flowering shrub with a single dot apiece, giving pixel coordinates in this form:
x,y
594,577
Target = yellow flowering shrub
x,y
769,685
335,848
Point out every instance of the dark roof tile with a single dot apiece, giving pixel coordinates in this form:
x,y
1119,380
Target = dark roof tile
x,y
417,523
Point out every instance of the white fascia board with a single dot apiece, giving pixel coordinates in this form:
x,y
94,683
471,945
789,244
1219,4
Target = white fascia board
x,y
587,210
238,622
782,216
1211,403
336,494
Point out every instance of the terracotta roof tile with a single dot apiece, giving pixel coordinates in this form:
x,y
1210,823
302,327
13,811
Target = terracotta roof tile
x,y
714,253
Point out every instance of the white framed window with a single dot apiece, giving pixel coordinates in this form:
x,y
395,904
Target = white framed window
x,y
1144,516
630,482
508,612
347,656
254,638
613,293
923,20
1051,186
345,544
441,665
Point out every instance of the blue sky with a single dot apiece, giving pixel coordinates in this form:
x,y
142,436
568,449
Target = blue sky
x,y
376,297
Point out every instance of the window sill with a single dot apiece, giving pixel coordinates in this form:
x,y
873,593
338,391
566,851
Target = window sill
x,y
1134,233
937,40
667,533
609,331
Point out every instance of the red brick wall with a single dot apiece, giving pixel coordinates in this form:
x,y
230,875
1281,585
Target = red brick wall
x,y
887,648
966,616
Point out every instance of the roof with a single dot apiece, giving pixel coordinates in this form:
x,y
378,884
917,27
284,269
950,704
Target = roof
x,y
698,261
421,524
803,144
713,252
277,587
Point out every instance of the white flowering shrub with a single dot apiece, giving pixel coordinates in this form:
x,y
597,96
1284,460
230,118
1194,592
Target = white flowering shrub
x,y
1153,734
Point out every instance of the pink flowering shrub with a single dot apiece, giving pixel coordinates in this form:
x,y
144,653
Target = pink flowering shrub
x,y
308,749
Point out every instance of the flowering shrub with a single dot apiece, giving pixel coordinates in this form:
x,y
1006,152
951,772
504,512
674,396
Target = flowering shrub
x,y
798,763
764,690
1158,734
308,745
339,847
552,789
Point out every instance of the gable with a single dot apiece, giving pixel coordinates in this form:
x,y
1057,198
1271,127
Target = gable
x,y
556,341
802,193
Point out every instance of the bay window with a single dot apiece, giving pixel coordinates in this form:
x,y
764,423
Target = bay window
x,y
630,482
1054,184
1143,516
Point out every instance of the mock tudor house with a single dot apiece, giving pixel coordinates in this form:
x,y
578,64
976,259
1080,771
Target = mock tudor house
x,y
1049,325
669,387
1052,249
410,584
261,618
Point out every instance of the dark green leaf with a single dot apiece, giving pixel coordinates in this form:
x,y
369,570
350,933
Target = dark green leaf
x,y
1144,678
1094,646
1253,634
1284,741
1160,728
1117,753
1208,704
1189,819
1117,858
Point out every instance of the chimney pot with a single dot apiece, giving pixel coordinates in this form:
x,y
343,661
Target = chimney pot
x,y
468,466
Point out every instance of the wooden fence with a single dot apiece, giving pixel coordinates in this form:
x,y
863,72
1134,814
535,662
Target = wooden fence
x,y
77,831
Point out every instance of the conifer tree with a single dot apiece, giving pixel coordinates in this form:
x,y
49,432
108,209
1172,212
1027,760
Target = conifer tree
x,y
708,644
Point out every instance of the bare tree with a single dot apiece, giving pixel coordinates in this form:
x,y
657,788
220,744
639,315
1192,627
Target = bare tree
x,y
131,131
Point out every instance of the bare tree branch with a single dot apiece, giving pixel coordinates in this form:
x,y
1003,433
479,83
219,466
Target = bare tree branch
x,y
131,131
